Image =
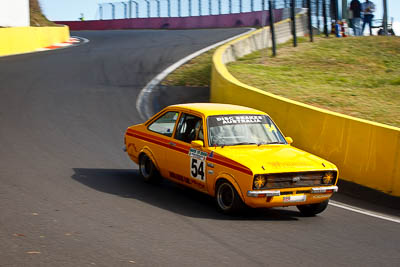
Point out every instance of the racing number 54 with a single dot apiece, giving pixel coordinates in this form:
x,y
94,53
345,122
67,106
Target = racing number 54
x,y
197,169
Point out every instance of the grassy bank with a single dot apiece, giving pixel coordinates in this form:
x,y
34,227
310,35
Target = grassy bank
x,y
197,72
36,15
354,76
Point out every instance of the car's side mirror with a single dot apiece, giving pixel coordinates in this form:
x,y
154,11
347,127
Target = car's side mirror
x,y
197,143
289,140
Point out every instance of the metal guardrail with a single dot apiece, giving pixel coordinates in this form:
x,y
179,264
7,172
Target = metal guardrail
x,y
319,12
169,8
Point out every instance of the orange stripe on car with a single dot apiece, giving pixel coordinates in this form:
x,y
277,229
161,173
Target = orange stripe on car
x,y
217,159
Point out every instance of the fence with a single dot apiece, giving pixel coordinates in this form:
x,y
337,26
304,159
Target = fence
x,y
186,14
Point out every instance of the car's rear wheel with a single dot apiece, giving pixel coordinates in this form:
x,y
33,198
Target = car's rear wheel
x,y
148,170
227,199
313,209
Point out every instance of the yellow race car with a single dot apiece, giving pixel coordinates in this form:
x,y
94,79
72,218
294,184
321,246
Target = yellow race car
x,y
233,153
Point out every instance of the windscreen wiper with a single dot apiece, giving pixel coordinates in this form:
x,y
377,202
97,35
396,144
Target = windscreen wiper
x,y
245,143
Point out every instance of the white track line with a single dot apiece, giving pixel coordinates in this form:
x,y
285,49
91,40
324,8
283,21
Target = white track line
x,y
365,212
76,39
143,104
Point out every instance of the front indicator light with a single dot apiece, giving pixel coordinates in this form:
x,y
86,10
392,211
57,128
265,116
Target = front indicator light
x,y
328,178
324,190
259,182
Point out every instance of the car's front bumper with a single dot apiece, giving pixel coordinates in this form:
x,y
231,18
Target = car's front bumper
x,y
283,198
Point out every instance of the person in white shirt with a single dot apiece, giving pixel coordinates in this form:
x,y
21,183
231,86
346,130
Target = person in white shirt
x,y
368,9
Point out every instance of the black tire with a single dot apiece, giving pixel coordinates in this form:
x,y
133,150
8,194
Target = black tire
x,y
227,199
313,209
148,170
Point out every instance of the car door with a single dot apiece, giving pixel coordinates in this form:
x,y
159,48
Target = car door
x,y
187,164
160,136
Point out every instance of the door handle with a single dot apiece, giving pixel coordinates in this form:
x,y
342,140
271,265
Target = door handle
x,y
172,144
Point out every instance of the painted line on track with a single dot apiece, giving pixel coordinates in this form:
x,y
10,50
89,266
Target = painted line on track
x,y
365,212
143,104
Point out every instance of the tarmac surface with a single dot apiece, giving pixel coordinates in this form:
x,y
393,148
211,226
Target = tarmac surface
x,y
69,195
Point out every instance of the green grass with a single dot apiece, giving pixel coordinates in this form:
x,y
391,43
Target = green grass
x,y
195,73
354,76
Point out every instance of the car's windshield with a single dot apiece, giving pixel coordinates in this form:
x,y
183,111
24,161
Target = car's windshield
x,y
246,129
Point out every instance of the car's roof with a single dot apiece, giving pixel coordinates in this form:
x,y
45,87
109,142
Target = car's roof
x,y
209,109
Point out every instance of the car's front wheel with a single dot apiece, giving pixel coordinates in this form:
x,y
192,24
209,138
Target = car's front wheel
x,y
227,199
313,209
148,170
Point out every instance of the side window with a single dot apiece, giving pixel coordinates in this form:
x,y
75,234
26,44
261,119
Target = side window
x,y
165,124
189,128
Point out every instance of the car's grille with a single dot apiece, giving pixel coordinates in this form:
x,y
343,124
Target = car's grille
x,y
291,180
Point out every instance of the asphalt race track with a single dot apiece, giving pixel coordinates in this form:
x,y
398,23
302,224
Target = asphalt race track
x,y
69,195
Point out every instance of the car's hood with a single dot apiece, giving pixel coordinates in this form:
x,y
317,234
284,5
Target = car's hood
x,y
274,158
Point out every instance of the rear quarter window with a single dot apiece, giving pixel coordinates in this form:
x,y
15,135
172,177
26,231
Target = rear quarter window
x,y
165,124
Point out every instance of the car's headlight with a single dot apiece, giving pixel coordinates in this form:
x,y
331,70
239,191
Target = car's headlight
x,y
328,178
259,181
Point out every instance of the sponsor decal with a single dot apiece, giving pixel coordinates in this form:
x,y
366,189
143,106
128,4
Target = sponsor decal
x,y
197,154
186,180
236,119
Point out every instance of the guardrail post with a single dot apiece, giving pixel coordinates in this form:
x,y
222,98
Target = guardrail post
x,y
317,14
148,8
125,10
293,19
199,7
334,9
112,10
272,27
385,18
310,29
101,11
158,8
137,8
325,18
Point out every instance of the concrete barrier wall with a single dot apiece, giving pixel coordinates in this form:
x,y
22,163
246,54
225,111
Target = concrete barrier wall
x,y
248,19
18,40
365,152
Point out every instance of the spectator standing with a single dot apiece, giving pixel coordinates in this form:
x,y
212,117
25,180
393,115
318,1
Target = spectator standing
x,y
368,9
355,7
